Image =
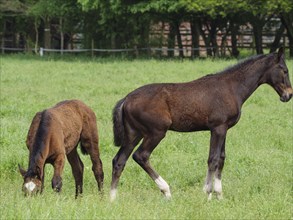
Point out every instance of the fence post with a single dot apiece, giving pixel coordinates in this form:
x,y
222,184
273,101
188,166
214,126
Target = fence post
x,y
92,49
41,51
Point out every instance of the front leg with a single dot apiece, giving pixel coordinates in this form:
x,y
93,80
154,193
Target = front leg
x,y
58,169
57,183
216,161
43,181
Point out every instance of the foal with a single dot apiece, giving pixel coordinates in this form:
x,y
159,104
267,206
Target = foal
x,y
54,134
210,103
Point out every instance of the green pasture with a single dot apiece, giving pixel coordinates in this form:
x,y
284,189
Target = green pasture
x,y
257,178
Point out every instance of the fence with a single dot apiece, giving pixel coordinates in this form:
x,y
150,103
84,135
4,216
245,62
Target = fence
x,y
245,40
151,50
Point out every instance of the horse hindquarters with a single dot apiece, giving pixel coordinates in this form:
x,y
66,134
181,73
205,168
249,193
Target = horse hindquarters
x,y
151,125
125,137
130,140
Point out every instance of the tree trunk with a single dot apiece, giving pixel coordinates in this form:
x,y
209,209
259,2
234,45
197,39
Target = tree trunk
x,y
179,40
206,40
92,47
47,35
276,44
37,36
171,40
287,20
194,25
61,35
257,33
213,38
71,40
3,37
234,32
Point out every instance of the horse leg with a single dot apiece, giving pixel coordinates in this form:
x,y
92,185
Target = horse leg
x,y
142,154
97,166
90,143
218,173
119,162
43,181
58,168
215,162
77,170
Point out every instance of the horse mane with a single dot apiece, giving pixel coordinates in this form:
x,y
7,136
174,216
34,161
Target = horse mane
x,y
39,141
243,64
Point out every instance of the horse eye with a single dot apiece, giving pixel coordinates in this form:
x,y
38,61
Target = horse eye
x,y
285,72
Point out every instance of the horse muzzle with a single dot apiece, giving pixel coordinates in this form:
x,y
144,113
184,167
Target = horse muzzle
x,y
287,95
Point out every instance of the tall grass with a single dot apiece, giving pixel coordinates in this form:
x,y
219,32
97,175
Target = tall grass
x,y
257,178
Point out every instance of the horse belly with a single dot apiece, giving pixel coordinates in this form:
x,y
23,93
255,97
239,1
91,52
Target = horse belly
x,y
186,123
71,140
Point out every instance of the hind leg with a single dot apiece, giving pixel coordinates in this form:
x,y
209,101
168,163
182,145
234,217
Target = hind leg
x,y
97,167
90,143
77,170
120,159
142,154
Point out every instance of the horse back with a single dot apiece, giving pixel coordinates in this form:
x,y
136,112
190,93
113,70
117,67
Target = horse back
x,y
61,126
77,122
183,107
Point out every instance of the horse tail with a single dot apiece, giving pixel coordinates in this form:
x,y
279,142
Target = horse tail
x,y
118,125
83,150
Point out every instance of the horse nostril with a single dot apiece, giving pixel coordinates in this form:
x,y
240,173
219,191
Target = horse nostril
x,y
287,97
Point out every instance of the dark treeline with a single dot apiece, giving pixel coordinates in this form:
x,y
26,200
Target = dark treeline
x,y
120,24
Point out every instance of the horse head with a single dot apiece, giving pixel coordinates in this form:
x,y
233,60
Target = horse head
x,y
32,181
278,77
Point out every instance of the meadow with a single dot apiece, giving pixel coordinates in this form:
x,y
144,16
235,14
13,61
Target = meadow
x,y
257,177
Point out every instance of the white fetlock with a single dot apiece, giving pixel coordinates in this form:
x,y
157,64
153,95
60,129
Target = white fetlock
x,y
113,195
163,186
210,196
218,188
167,195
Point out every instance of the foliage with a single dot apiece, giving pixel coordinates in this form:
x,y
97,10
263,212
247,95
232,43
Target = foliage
x,y
126,23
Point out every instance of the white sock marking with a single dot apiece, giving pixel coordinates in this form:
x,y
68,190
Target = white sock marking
x,y
30,186
113,194
218,185
163,186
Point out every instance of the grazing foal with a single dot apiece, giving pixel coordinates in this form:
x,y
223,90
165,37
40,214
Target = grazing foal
x,y
210,103
54,134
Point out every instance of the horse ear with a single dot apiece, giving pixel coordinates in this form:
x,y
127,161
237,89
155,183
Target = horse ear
x,y
22,171
281,53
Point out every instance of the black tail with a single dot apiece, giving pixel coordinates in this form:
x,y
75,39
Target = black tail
x,y
118,126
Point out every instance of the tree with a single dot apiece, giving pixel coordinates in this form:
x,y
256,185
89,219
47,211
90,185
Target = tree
x,y
9,11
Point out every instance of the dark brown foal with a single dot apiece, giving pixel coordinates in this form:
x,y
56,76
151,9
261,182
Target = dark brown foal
x,y
210,103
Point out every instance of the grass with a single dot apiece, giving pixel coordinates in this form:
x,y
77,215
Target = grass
x,y
257,178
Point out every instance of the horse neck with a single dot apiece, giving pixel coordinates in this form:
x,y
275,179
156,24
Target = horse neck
x,y
36,165
248,79
38,155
